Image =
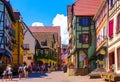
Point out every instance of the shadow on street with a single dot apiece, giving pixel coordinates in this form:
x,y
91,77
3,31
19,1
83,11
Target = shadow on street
x,y
37,75
34,75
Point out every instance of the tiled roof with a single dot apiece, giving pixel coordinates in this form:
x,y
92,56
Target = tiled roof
x,y
45,28
52,29
86,7
44,36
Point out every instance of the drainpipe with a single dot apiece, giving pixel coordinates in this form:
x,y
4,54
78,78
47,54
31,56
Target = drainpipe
x,y
18,42
107,25
19,21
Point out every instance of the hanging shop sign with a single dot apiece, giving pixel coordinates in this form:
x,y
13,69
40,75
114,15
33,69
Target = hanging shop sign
x,y
102,52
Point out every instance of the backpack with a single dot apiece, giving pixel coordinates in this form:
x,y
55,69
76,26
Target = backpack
x,y
26,68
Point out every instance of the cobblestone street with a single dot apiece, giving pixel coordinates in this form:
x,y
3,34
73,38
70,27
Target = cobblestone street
x,y
58,76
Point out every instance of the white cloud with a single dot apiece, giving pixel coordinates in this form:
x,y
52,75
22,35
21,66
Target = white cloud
x,y
61,20
37,24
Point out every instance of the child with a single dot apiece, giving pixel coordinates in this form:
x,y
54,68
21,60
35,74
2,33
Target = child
x,y
4,75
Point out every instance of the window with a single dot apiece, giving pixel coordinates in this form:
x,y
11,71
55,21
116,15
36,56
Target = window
x,y
118,56
26,46
44,43
29,58
1,6
1,20
84,38
111,3
84,21
118,23
111,28
104,33
41,52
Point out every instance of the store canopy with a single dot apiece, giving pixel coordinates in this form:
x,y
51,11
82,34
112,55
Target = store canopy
x,y
6,53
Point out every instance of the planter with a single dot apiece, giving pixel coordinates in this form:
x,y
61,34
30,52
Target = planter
x,y
81,71
71,71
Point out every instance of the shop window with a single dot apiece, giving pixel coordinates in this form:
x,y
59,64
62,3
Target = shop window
x,y
111,59
118,56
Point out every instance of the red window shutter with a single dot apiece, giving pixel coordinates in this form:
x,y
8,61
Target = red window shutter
x,y
111,28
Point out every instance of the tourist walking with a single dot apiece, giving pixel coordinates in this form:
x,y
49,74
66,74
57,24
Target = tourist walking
x,y
48,68
20,71
9,72
25,69
4,75
43,67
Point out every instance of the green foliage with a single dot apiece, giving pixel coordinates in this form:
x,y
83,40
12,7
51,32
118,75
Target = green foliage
x,y
44,56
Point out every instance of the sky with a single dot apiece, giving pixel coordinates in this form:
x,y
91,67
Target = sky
x,y
44,13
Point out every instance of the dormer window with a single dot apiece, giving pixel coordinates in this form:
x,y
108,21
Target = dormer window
x,y
44,43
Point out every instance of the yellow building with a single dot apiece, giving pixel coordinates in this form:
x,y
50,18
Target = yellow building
x,y
18,47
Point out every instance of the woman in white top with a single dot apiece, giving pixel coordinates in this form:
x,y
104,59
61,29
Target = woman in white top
x,y
9,69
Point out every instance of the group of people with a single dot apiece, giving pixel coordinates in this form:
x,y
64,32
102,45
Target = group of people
x,y
23,69
8,72
39,68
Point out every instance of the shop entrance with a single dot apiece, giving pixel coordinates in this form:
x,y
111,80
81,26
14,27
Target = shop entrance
x,y
111,59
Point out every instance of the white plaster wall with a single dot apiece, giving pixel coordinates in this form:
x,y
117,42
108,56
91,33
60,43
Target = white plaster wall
x,y
111,41
29,39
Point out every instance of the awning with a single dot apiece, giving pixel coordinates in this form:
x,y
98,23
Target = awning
x,y
6,53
